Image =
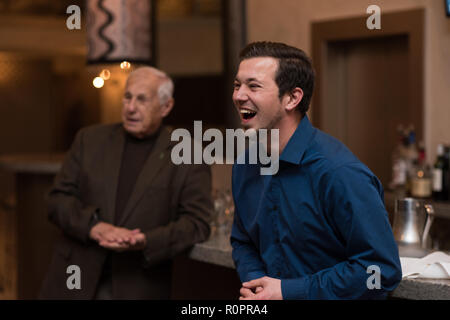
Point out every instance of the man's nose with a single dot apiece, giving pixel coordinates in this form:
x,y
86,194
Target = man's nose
x,y
240,94
131,105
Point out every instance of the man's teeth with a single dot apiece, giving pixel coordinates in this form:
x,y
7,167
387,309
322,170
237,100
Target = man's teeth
x,y
247,114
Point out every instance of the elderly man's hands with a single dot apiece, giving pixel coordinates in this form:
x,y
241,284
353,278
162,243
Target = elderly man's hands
x,y
117,238
264,288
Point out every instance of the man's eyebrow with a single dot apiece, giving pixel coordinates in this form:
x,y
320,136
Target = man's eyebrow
x,y
247,80
253,80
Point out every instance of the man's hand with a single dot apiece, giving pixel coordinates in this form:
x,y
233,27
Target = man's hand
x,y
116,238
264,288
138,241
103,231
247,294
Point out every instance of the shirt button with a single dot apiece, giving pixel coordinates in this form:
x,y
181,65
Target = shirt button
x,y
275,208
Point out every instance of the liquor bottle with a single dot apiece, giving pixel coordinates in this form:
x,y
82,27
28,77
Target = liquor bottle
x,y
399,166
446,174
421,179
438,174
411,156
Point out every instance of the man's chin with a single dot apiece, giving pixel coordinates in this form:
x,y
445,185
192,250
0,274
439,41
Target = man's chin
x,y
248,129
132,129
247,126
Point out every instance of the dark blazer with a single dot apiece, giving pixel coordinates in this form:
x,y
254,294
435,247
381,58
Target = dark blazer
x,y
170,203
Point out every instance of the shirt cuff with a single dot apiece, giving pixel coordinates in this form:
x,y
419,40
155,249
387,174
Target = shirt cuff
x,y
294,289
253,275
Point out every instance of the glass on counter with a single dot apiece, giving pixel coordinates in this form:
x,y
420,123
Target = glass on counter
x,y
224,213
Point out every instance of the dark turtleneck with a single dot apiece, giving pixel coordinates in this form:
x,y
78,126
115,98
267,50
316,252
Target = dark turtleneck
x,y
135,153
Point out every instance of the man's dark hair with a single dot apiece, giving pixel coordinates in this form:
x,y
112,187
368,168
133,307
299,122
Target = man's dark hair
x,y
294,68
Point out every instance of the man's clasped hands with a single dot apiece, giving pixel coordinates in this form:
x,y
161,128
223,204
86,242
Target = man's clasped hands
x,y
117,238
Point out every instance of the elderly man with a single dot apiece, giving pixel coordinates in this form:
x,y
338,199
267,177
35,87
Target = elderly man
x,y
124,208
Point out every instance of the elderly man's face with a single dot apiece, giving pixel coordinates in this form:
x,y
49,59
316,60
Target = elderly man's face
x,y
142,112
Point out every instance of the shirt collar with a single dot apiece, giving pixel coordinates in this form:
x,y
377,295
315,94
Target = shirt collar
x,y
296,146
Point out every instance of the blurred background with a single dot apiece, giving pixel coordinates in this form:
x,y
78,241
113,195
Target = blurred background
x,y
384,92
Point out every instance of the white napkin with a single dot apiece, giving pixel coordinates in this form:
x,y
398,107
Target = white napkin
x,y
436,265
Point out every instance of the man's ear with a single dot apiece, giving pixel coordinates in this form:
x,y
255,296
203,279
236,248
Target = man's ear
x,y
167,107
293,99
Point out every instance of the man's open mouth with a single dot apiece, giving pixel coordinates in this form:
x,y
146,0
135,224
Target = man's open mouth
x,y
247,114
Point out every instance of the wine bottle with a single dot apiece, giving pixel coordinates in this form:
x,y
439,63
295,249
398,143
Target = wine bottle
x,y
438,174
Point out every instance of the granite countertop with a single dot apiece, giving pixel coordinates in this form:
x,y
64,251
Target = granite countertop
x,y
423,289
217,250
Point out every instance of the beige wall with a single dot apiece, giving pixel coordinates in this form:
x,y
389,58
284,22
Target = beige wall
x,y
289,21
190,46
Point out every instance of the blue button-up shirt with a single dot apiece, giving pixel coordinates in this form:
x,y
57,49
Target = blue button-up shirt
x,y
319,224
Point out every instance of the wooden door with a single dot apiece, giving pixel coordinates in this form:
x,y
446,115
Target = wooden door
x,y
368,82
367,98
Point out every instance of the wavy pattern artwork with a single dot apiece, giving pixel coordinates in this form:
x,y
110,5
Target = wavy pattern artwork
x,y
101,35
119,30
139,35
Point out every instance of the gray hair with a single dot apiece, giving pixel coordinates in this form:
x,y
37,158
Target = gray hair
x,y
165,90
166,87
